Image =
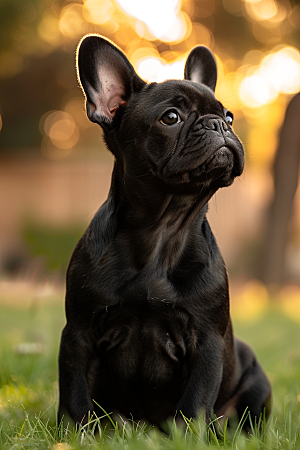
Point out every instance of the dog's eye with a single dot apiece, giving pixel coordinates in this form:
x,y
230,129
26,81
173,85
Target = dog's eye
x,y
229,117
170,118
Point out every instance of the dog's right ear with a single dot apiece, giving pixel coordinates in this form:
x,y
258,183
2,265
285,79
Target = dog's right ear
x,y
107,79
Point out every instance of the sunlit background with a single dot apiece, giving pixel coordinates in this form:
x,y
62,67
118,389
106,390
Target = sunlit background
x,y
55,173
55,170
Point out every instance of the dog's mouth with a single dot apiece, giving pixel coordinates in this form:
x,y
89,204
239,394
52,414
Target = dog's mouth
x,y
222,158
225,159
223,165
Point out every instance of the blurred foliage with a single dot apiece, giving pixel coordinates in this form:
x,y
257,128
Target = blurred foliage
x,y
54,245
256,43
38,39
29,94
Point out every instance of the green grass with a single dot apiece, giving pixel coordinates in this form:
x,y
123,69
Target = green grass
x,y
28,389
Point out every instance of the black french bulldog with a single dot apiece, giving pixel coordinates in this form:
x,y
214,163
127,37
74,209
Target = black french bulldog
x,y
148,331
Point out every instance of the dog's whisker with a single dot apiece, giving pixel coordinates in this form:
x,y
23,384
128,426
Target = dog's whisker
x,y
214,201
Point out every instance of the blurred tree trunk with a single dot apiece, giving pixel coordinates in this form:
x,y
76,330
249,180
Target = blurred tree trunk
x,y
272,267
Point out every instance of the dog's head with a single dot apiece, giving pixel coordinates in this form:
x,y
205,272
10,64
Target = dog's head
x,y
175,132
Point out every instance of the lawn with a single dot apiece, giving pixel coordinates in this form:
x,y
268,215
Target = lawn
x,y
30,327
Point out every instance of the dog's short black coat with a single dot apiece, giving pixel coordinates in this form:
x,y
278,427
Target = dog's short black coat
x,y
148,329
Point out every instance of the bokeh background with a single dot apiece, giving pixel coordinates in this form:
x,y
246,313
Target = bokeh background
x,y
55,173
55,170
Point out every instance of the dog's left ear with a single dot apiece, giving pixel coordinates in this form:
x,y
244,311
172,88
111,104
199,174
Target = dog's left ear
x,y
106,77
201,67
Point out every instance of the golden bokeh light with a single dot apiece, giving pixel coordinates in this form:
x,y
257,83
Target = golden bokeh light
x,y
51,152
150,67
157,36
170,25
252,2
261,139
255,91
75,107
72,23
138,26
140,49
247,88
294,17
262,10
98,12
202,35
156,69
227,92
64,133
268,12
278,73
61,129
282,70
48,29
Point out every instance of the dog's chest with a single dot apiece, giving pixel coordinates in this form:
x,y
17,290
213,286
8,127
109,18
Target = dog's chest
x,y
115,277
121,279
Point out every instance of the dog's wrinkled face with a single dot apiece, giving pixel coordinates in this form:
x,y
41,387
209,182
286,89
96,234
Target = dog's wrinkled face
x,y
187,137
176,132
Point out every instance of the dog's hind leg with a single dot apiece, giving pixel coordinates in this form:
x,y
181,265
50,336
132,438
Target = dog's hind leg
x,y
252,395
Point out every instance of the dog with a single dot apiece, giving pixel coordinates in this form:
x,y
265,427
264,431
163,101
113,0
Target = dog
x,y
148,333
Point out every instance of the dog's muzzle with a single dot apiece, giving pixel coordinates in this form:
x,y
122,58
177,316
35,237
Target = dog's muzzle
x,y
207,148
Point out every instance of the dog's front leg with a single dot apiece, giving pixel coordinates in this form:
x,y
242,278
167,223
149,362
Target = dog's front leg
x,y
75,404
204,384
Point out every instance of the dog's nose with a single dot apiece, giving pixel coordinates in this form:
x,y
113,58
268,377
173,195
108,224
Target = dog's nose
x,y
216,124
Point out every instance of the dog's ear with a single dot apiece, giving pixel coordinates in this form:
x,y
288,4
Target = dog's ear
x,y
201,67
107,79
